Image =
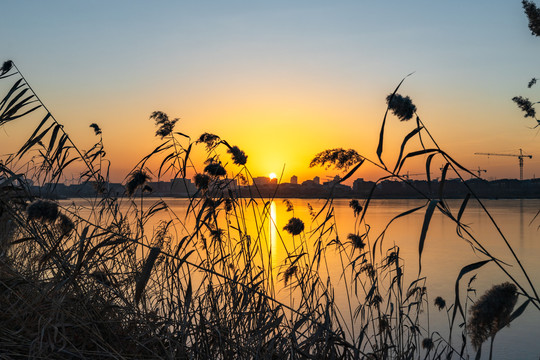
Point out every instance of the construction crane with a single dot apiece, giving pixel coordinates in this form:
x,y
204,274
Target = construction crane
x,y
408,175
479,171
520,157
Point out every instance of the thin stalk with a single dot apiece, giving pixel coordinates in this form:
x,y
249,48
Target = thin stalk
x,y
491,219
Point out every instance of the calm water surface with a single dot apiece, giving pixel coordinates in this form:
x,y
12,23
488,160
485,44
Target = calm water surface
x,y
443,256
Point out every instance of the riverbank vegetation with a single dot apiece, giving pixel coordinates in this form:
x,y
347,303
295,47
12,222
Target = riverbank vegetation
x,y
127,277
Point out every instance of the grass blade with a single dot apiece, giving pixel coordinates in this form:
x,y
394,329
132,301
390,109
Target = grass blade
x,y
405,140
457,303
425,227
519,311
145,274
350,173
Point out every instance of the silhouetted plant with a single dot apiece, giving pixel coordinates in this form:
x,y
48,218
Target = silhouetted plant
x,y
289,273
357,241
440,303
210,140
239,157
202,181
295,226
525,105
65,224
97,129
288,205
491,313
137,179
355,205
6,67
340,158
427,343
43,210
215,169
166,125
401,106
201,284
533,14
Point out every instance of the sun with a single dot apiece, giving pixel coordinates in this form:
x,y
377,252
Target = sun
x,y
272,176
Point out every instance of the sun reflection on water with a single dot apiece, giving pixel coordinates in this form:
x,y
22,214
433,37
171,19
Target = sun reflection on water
x,y
273,229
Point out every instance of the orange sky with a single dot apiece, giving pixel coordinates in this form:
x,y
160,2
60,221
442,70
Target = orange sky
x,y
283,81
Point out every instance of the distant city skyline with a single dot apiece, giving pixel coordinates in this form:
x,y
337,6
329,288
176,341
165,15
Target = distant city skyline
x,y
269,189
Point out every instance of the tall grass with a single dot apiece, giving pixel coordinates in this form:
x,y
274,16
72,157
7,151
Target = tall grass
x,y
127,277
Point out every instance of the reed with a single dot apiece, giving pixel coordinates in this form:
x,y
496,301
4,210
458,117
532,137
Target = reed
x,y
124,276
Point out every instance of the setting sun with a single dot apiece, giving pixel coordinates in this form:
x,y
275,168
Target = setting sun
x,y
272,176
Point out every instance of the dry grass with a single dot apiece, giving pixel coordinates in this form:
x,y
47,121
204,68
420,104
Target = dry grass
x,y
126,277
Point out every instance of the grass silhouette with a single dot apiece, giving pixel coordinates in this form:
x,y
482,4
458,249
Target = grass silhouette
x,y
127,277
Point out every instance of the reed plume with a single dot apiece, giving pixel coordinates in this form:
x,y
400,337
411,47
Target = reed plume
x,y
137,179
525,105
440,303
97,129
165,125
401,106
491,312
295,226
341,159
239,157
357,241
43,210
533,14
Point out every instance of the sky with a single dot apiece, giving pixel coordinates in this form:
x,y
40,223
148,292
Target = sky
x,y
282,80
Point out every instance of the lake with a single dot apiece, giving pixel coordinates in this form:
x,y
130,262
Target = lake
x,y
444,253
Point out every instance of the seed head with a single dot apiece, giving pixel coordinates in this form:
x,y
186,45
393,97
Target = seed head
x,y
376,300
242,179
357,241
42,210
210,140
401,106
97,129
533,14
166,126
491,312
525,105
311,211
6,66
239,157
341,159
215,169
65,225
288,204
383,324
355,205
217,234
369,270
229,204
391,259
531,83
440,303
202,181
427,344
289,273
295,226
137,179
